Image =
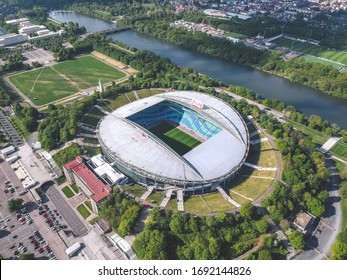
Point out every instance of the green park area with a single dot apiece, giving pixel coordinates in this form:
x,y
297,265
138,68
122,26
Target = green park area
x,y
54,82
136,190
340,150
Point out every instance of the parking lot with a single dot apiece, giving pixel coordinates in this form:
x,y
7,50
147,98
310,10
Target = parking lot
x,y
7,126
41,56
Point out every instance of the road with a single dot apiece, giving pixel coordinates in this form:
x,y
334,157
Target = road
x,y
319,245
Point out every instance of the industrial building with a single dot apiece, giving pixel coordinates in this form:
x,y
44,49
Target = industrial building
x,y
12,39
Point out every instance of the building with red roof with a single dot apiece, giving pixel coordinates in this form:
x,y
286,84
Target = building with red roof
x,y
77,172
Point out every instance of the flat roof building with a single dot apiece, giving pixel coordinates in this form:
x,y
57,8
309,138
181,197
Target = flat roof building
x,y
77,172
12,39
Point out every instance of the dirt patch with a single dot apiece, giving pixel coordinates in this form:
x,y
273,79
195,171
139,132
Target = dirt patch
x,y
114,63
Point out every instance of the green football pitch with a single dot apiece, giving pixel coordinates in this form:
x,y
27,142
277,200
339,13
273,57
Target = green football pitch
x,y
178,140
54,82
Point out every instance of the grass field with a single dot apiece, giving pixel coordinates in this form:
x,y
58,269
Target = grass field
x,y
172,205
217,203
314,50
315,59
178,140
75,188
52,83
195,205
236,35
339,150
117,101
135,190
143,93
155,198
250,187
89,205
266,157
68,192
83,211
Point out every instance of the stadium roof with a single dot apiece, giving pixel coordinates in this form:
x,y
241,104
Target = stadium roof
x,y
213,158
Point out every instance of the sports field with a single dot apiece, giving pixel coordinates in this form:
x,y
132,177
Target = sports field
x,y
236,35
178,140
52,83
312,49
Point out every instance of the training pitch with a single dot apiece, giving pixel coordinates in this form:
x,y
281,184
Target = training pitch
x,y
177,139
54,82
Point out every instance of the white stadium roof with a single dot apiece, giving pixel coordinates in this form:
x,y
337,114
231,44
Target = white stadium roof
x,y
214,158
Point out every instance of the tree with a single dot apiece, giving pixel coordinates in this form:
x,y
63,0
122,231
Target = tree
x,y
15,205
261,226
297,240
264,255
247,211
27,257
151,245
339,251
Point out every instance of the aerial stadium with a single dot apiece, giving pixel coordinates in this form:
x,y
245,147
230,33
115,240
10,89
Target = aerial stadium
x,y
185,139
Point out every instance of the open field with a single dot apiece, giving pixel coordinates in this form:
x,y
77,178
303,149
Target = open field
x,y
52,83
339,150
155,198
315,59
195,205
117,101
68,192
172,205
178,140
266,157
250,187
143,93
217,203
114,63
236,35
241,200
135,190
248,171
312,49
83,211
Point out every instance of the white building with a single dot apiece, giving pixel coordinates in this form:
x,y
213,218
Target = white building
x,y
16,21
11,39
31,29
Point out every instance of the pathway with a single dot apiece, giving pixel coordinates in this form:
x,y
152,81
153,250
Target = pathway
x,y
227,197
101,109
259,167
254,142
166,198
180,201
147,193
136,95
329,144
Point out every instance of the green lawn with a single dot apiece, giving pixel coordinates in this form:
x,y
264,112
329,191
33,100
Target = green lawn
x,y
143,93
236,35
83,211
195,205
156,198
75,188
250,187
90,140
92,150
172,204
68,192
315,59
63,79
217,203
118,101
135,190
178,140
89,205
92,117
339,150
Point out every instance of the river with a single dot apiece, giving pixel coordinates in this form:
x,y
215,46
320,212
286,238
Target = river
x,y
306,100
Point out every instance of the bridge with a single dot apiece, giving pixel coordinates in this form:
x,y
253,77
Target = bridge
x,y
113,30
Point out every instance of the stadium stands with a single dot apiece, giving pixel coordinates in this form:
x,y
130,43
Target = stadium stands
x,y
178,115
